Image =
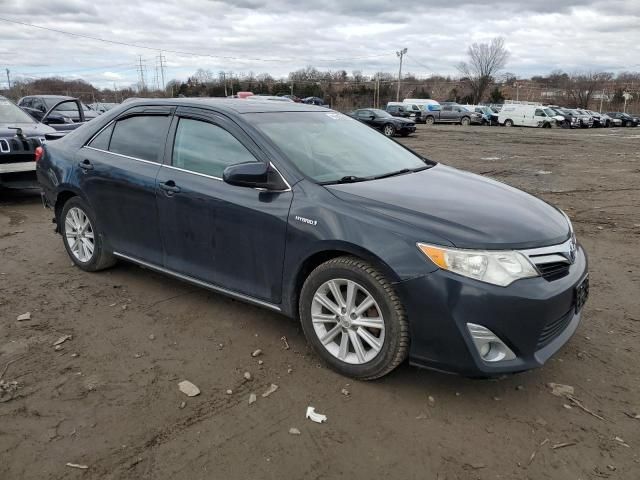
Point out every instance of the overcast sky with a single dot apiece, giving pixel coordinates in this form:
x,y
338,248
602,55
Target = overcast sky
x,y
278,36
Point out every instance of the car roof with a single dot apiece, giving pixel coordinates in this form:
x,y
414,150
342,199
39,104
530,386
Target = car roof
x,y
50,96
231,105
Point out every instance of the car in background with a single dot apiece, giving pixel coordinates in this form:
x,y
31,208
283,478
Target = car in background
x,y
102,107
384,121
527,115
20,137
600,120
626,120
268,98
314,101
566,117
60,112
489,117
381,254
450,113
405,110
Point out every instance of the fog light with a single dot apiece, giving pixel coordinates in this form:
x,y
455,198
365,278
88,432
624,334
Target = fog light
x,y
489,346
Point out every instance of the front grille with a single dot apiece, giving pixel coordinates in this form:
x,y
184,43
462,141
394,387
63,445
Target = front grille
x,y
554,270
552,329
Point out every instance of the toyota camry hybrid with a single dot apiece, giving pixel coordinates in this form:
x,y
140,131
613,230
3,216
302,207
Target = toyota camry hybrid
x,y
382,254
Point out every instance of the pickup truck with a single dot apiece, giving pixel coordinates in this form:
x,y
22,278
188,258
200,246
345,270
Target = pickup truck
x,y
452,114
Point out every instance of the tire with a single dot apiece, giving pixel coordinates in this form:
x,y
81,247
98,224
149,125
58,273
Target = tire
x,y
366,361
430,120
465,121
546,125
628,124
388,130
508,122
90,259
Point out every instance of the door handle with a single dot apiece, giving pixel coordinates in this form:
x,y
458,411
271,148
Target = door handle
x,y
169,187
85,165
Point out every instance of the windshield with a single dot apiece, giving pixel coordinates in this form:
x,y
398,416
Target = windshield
x,y
69,106
549,112
330,147
381,113
10,113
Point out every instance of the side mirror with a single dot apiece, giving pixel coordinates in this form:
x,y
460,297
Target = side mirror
x,y
254,175
372,117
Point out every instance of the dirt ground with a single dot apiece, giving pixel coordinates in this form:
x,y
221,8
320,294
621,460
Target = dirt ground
x,y
109,398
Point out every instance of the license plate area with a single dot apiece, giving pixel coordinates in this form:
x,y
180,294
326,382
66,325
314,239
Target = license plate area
x,y
581,294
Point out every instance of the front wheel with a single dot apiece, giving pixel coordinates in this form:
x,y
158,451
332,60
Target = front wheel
x,y
82,239
353,318
465,121
388,130
628,124
508,122
430,121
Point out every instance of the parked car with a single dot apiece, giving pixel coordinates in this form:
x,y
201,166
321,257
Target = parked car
x,y
381,253
452,114
601,120
489,117
566,117
20,137
314,101
526,115
268,98
102,107
60,112
587,119
626,120
405,110
384,121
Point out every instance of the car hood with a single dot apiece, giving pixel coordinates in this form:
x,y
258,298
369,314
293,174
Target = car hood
x,y
403,120
28,129
469,210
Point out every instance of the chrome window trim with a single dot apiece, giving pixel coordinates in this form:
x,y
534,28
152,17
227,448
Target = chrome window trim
x,y
98,133
200,283
122,155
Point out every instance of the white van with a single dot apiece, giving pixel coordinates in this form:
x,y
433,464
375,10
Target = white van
x,y
527,116
425,104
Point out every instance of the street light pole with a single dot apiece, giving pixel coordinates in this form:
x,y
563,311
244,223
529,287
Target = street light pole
x,y
400,53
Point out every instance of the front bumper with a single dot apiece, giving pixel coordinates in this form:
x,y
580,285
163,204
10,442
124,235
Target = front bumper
x,y
407,129
440,304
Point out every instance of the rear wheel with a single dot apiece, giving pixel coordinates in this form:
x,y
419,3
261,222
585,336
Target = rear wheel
x,y
353,318
82,239
465,121
508,122
388,130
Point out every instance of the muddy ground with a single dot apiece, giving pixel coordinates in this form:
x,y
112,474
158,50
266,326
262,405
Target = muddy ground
x,y
108,398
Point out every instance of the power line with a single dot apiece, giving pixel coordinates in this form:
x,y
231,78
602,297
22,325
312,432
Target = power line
x,y
182,52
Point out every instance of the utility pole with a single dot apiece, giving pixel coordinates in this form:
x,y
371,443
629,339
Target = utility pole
x,y
601,100
400,53
8,78
141,72
162,60
292,89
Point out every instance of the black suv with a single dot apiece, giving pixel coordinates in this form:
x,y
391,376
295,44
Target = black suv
x,y
627,120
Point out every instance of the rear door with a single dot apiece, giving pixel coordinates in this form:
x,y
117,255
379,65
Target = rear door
x,y
118,170
229,236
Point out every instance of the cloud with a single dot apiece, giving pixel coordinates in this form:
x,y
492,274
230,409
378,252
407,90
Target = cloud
x,y
278,36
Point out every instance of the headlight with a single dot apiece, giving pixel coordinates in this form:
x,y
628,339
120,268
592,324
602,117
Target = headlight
x,y
492,266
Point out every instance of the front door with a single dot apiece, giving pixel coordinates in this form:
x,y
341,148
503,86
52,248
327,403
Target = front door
x,y
118,170
229,236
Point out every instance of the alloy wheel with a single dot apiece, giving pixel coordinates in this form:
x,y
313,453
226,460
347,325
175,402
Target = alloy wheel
x,y
348,321
388,130
79,234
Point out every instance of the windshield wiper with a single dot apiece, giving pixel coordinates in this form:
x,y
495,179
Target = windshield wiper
x,y
347,179
400,172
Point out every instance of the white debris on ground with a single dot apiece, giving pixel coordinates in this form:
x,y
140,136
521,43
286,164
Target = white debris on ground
x,y
272,388
315,417
188,388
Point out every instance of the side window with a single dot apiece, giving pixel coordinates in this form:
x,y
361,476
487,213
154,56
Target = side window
x,y
447,108
142,136
206,148
39,105
364,114
101,141
539,113
27,102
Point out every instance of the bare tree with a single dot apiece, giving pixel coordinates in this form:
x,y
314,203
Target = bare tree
x,y
485,60
580,87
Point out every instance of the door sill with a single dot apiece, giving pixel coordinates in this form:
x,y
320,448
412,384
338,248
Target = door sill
x,y
200,283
